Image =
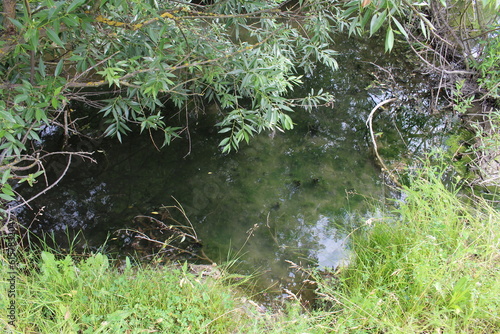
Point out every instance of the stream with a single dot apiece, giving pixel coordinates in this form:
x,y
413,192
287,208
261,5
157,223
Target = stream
x,y
286,199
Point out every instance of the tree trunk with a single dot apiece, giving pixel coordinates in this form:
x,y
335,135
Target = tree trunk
x,y
9,10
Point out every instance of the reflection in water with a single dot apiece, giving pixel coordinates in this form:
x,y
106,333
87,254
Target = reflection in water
x,y
293,197
331,250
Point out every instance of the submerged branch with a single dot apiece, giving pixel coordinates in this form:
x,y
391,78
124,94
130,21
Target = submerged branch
x,y
370,126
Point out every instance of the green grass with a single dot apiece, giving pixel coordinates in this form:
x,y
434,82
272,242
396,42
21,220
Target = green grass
x,y
433,267
60,296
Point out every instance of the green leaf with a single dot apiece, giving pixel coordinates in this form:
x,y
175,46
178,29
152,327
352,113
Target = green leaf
x,y
34,39
33,135
226,148
288,123
389,39
59,67
20,98
247,137
7,190
7,116
377,21
7,197
351,9
10,137
5,176
128,264
57,91
365,18
18,24
54,37
40,114
41,68
119,136
70,21
76,58
74,4
54,102
48,259
285,107
400,27
224,130
494,4
423,28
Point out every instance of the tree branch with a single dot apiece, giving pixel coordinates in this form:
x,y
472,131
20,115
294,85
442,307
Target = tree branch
x,y
69,154
370,126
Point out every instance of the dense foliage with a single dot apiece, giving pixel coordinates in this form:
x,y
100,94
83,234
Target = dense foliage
x,y
145,65
242,56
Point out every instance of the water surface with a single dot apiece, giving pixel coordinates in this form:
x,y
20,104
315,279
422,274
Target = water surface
x,y
292,196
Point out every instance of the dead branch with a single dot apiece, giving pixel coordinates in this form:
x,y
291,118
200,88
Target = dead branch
x,y
374,142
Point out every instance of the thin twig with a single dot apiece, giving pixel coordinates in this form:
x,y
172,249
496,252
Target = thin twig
x,y
75,79
45,190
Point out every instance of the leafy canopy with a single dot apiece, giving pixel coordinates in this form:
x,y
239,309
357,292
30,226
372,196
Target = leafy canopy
x,y
128,59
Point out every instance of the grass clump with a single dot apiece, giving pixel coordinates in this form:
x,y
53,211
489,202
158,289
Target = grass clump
x,y
433,269
58,295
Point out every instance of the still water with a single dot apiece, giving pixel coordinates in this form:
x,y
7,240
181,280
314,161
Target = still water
x,y
293,196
